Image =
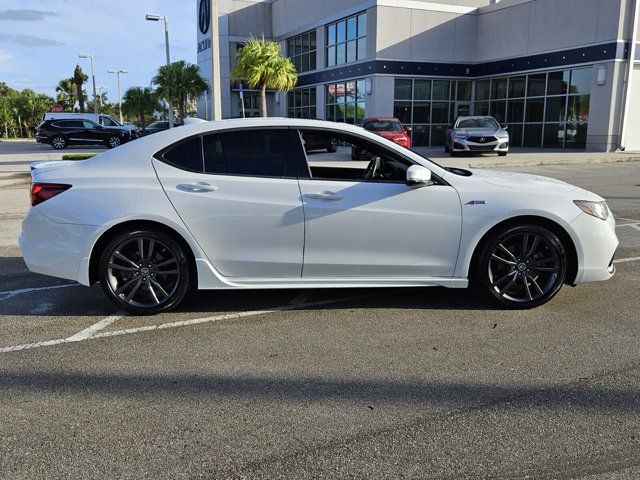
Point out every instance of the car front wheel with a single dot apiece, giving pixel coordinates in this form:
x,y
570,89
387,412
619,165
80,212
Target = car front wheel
x,y
522,267
144,272
113,141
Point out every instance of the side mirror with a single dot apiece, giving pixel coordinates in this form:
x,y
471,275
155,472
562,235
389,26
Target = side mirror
x,y
418,176
407,128
504,127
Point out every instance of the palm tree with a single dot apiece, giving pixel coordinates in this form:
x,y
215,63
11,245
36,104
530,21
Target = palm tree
x,y
140,102
178,82
78,79
261,64
67,92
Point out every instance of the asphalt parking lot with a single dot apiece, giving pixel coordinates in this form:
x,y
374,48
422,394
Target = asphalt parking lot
x,y
415,383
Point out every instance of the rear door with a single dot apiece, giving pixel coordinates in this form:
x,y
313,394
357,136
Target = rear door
x,y
236,193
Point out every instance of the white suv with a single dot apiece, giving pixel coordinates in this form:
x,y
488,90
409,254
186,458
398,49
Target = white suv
x,y
99,118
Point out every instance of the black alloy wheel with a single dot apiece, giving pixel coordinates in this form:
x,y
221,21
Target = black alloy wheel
x,y
144,272
522,267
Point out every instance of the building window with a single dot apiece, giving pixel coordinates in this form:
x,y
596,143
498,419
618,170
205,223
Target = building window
x,y
549,110
301,49
345,101
347,40
301,103
430,106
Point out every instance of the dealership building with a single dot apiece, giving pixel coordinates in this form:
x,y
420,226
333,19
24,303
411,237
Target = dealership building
x,y
557,72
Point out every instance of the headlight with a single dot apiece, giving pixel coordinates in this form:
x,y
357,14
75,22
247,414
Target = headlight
x,y
597,209
460,136
502,134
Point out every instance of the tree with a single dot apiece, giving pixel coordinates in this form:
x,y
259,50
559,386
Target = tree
x,y
261,64
78,79
178,82
30,107
67,93
8,112
140,102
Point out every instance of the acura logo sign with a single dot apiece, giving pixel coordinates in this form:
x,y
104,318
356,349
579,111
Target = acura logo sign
x,y
204,16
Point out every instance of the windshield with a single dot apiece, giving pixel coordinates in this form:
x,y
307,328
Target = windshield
x,y
156,125
477,123
383,126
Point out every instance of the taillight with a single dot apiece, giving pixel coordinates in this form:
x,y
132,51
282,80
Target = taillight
x,y
44,191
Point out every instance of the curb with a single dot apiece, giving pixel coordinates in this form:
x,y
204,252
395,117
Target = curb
x,y
558,161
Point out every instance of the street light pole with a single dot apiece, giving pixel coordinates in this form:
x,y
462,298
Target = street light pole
x,y
118,71
153,17
93,78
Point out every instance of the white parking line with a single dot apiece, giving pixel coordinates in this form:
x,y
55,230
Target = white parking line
x,y
628,259
15,293
96,327
183,323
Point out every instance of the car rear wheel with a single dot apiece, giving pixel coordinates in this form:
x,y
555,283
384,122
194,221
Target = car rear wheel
x,y
113,141
522,267
144,272
59,142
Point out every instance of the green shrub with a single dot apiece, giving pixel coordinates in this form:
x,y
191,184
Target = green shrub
x,y
78,156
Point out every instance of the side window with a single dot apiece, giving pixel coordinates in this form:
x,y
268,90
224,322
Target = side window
x,y
69,124
186,155
89,125
330,156
107,122
259,153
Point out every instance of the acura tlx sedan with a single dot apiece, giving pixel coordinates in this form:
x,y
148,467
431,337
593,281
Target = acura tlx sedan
x,y
236,204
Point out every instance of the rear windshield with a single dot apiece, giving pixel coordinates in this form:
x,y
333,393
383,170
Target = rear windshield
x,y
477,123
383,126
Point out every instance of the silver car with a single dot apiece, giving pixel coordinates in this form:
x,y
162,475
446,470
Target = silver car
x,y
477,134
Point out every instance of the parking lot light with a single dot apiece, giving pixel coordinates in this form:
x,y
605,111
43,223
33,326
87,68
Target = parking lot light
x,y
154,17
93,79
118,71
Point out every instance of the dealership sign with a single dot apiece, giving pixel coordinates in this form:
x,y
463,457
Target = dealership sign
x,y
204,21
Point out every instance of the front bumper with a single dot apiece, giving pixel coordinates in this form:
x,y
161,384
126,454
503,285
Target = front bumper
x,y
465,145
55,249
595,246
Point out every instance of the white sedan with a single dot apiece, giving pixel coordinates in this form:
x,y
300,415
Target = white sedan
x,y
240,204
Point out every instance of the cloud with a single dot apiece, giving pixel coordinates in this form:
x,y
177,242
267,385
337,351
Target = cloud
x,y
25,15
5,56
29,41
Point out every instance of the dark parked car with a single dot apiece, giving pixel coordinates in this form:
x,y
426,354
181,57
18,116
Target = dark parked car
x,y
158,126
62,133
319,142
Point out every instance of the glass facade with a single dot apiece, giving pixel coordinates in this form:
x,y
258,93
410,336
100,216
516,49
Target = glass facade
x,y
347,40
429,106
345,101
301,103
549,110
302,49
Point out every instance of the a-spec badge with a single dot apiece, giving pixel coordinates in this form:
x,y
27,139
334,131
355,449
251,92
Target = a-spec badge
x,y
476,202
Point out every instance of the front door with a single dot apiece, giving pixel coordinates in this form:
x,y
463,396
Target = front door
x,y
238,201
371,224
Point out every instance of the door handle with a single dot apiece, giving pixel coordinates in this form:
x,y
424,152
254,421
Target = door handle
x,y
324,196
197,187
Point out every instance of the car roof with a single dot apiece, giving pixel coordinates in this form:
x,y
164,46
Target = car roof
x,y
474,117
381,119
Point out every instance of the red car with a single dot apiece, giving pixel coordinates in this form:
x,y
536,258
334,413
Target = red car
x,y
386,127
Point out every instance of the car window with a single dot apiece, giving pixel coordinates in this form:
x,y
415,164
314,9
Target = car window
x,y
246,152
69,124
383,126
186,155
88,124
107,122
331,155
477,123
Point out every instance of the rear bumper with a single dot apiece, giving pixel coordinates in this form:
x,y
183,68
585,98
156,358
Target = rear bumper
x,y
597,246
55,249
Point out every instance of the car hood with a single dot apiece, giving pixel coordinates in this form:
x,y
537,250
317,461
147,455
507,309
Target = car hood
x,y
390,134
537,183
476,132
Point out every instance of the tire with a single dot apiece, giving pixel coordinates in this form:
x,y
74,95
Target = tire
x,y
521,267
113,141
502,154
148,282
446,148
59,142
333,146
453,154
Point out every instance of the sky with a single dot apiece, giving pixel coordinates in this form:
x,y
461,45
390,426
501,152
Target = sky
x,y
40,41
